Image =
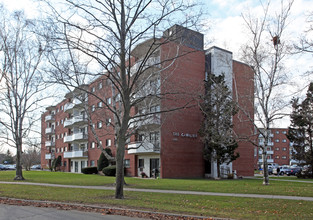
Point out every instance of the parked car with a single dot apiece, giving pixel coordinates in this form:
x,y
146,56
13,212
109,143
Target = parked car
x,y
294,171
2,167
36,167
10,167
270,170
282,170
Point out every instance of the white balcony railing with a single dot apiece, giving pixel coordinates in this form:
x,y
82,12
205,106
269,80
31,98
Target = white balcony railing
x,y
268,152
149,120
261,143
49,130
49,118
76,137
50,143
268,160
68,106
48,156
143,147
74,120
75,154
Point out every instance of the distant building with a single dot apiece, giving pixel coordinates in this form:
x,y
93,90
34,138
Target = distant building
x,y
279,149
168,142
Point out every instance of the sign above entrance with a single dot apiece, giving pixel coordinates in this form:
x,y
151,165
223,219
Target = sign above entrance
x,y
187,135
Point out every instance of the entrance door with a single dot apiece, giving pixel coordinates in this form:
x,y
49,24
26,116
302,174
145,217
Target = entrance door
x,y
154,164
76,167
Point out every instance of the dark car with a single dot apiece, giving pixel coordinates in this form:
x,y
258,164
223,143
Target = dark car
x,y
294,171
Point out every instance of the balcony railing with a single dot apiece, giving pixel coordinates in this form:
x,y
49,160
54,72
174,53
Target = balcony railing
x,y
76,137
76,119
50,143
68,107
268,152
50,130
49,118
268,160
149,120
261,143
75,154
143,147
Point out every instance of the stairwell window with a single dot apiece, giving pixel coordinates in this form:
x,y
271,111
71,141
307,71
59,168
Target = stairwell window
x,y
108,142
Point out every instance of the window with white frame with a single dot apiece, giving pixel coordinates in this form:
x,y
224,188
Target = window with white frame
x,y
99,124
108,121
284,140
284,148
99,104
93,145
277,140
93,108
284,157
109,101
100,85
108,142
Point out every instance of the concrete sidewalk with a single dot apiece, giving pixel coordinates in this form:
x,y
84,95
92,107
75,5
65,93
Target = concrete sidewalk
x,y
167,191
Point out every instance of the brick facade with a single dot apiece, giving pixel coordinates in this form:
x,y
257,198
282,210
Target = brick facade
x,y
175,147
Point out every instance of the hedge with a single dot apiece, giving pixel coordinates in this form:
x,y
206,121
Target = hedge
x,y
109,171
89,170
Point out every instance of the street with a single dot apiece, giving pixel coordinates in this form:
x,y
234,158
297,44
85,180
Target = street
x,y
12,212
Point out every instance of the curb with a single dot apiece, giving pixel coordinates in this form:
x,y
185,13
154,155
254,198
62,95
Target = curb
x,y
105,210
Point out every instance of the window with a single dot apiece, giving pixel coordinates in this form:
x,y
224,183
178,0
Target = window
x,y
284,132
62,121
62,109
277,140
118,97
93,108
65,163
284,157
155,108
57,123
284,148
57,110
100,144
93,144
99,104
277,132
154,138
108,142
126,163
92,163
108,121
100,85
141,163
277,157
62,149
277,148
109,101
139,137
284,140
93,89
99,124
71,163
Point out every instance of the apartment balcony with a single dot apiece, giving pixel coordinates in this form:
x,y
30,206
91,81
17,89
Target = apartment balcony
x,y
149,120
268,152
75,154
68,107
270,144
151,62
76,120
76,137
268,160
50,143
48,156
50,130
49,118
143,148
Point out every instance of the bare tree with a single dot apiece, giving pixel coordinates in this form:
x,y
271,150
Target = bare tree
x,y
21,81
30,157
120,41
265,51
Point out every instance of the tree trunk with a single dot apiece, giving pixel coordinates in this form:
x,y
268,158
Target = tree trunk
x,y
19,174
120,151
265,168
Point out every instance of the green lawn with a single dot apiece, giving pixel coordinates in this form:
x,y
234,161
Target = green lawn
x,y
211,206
248,186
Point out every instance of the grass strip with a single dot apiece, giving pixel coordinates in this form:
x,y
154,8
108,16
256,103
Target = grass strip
x,y
211,206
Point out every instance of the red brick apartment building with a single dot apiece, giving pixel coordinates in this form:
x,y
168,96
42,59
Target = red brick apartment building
x,y
279,149
171,143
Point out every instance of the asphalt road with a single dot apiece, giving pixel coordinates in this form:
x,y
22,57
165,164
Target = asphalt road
x,y
11,212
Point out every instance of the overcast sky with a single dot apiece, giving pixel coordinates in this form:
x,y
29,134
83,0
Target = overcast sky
x,y
226,28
